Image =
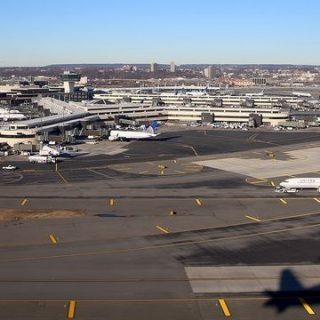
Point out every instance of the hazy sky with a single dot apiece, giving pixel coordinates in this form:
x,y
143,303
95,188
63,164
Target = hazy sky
x,y
40,32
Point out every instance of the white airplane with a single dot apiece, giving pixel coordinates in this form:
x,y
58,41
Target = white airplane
x,y
197,93
301,94
42,159
47,151
124,135
295,184
8,115
257,94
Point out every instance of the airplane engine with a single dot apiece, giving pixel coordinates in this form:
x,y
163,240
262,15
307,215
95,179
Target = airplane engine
x,y
112,138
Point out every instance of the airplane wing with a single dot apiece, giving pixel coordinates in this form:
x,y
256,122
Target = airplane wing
x,y
290,285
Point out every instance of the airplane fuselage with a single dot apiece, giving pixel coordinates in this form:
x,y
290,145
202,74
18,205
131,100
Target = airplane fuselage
x,y
130,135
294,184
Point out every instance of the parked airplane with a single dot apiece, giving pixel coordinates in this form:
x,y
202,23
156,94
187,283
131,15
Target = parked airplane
x,y
126,135
8,115
289,286
198,93
301,94
255,94
47,151
132,135
295,184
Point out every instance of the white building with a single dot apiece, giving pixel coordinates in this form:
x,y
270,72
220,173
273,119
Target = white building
x,y
208,72
173,67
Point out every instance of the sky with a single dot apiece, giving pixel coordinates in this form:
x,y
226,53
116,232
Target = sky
x,y
42,32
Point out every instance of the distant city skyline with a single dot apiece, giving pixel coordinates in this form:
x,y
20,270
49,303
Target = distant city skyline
x,y
39,33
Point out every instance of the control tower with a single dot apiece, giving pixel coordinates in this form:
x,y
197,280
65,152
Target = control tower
x,y
69,78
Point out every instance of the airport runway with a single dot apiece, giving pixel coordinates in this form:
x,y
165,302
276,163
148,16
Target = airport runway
x,y
148,244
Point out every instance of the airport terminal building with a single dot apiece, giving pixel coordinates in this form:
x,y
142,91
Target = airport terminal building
x,y
191,107
64,118
140,108
144,112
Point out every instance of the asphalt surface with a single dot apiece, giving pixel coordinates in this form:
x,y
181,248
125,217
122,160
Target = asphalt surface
x,y
125,256
167,146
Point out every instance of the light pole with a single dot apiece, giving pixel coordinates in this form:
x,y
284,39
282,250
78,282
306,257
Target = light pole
x,y
64,108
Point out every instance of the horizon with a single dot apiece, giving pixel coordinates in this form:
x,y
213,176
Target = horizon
x,y
159,64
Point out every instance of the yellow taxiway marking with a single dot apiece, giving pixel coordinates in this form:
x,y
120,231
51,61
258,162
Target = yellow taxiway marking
x,y
193,165
316,199
253,218
191,169
164,230
53,239
283,201
272,183
306,306
198,202
125,168
72,309
180,172
24,202
62,177
224,308
256,180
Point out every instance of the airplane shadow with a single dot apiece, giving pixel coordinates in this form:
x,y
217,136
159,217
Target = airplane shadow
x,y
66,156
162,139
108,215
290,290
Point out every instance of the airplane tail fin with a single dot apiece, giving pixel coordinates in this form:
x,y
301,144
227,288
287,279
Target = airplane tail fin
x,y
150,130
154,125
289,282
